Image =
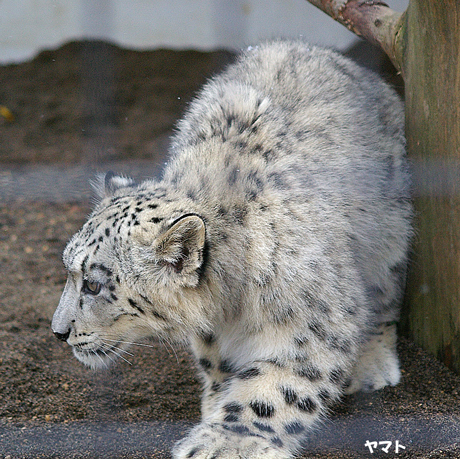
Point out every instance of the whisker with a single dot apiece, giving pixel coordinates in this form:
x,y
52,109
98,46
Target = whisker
x,y
118,355
122,350
111,349
116,347
101,359
165,342
128,342
168,346
105,353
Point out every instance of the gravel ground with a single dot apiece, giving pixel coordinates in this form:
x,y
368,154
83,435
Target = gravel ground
x,y
50,405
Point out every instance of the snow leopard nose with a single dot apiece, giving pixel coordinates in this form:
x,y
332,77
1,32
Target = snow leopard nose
x,y
62,336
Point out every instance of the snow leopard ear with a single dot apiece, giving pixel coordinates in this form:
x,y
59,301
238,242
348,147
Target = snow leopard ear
x,y
180,250
105,185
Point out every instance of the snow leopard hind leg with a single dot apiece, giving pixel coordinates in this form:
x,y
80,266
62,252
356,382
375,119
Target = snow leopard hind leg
x,y
378,364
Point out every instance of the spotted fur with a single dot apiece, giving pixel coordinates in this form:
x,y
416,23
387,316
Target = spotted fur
x,y
275,245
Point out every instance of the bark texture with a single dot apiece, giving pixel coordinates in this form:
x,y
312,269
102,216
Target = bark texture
x,y
372,20
431,70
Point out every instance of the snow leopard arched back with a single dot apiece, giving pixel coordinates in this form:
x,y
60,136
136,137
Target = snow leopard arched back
x,y
275,245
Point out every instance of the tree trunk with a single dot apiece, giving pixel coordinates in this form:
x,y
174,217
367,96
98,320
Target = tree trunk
x,y
424,44
431,70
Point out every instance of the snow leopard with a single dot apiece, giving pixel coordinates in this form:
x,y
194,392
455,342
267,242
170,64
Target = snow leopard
x,y
274,244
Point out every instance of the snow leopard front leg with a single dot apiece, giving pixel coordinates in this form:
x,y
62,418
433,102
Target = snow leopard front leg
x,y
262,410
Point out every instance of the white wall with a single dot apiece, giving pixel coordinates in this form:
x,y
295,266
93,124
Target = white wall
x,y
28,26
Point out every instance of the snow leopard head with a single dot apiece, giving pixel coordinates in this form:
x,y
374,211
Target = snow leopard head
x,y
135,269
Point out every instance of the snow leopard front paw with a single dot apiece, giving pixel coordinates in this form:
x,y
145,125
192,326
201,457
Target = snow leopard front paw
x,y
228,441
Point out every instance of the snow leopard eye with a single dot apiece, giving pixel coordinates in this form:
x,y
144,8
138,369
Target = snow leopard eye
x,y
93,288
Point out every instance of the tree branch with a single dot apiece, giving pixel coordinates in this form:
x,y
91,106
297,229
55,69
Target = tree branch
x,y
372,20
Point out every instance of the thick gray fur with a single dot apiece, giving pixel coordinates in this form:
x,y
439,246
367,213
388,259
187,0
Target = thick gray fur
x,y
275,245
